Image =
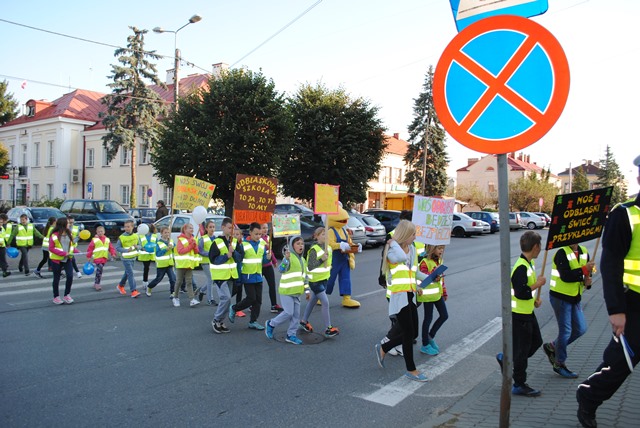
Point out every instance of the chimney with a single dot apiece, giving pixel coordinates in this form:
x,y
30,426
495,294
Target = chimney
x,y
512,155
520,156
528,159
471,161
171,74
219,68
396,135
588,162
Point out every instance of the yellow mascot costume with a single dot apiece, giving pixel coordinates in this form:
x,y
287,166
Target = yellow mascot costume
x,y
343,260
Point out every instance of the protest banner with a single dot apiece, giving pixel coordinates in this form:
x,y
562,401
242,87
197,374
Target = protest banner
x,y
189,192
254,198
433,218
326,199
578,217
285,225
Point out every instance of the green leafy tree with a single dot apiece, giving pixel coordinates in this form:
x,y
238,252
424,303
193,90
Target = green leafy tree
x,y
425,129
338,140
525,193
238,124
474,195
8,104
132,107
610,175
580,182
4,159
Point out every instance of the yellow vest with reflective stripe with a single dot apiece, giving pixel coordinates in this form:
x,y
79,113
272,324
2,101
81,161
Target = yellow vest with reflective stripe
x,y
432,292
631,275
523,306
167,259
45,240
100,249
144,255
227,270
206,244
2,238
75,230
24,237
292,281
7,232
129,242
185,261
568,288
322,272
58,244
403,277
252,261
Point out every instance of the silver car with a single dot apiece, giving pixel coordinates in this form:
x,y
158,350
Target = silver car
x,y
375,231
176,222
357,231
532,221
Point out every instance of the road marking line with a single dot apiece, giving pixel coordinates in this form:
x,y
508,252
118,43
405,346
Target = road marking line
x,y
396,391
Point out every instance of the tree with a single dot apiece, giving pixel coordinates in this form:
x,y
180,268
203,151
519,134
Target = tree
x,y
238,124
8,104
525,193
610,175
425,129
132,107
338,140
580,182
4,159
474,195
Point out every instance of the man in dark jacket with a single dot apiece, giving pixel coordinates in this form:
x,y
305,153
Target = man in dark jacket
x,y
162,210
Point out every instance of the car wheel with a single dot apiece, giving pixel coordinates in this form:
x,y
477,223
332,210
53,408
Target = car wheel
x,y
458,232
531,225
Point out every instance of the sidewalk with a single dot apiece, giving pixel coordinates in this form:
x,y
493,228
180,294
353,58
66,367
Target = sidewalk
x,y
557,405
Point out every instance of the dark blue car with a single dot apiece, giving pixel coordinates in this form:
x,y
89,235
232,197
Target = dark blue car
x,y
489,217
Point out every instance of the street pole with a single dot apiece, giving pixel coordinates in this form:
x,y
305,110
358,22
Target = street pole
x,y
175,79
15,189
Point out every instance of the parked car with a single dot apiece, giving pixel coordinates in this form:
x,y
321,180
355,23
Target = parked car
x,y
293,209
546,217
514,221
357,231
376,233
532,221
486,227
92,213
463,225
36,215
307,227
143,215
176,222
388,218
492,218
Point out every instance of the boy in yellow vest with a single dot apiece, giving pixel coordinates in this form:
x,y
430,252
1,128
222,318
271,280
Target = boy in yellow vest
x,y
23,234
128,246
526,331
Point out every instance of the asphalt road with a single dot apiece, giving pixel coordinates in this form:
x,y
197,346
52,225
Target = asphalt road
x,y
109,360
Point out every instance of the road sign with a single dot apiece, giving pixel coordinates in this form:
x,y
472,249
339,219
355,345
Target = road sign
x,y
64,188
149,192
89,187
466,12
501,84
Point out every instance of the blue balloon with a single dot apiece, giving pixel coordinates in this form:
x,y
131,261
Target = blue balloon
x,y
13,252
88,268
150,247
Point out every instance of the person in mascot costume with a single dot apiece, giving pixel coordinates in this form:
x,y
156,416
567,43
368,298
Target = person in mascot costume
x,y
343,260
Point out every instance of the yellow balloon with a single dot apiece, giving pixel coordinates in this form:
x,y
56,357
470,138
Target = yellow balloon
x,y
84,235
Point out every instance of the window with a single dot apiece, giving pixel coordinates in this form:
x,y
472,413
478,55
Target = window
x,y
50,153
167,194
106,191
492,186
144,154
36,153
90,158
24,155
398,176
35,189
105,157
125,156
178,223
142,197
125,195
50,191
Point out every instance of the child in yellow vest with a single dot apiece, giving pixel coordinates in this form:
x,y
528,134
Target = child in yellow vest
x,y
145,256
23,234
164,261
433,295
128,246
99,249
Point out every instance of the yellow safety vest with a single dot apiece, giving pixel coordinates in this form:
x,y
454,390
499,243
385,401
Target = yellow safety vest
x,y
2,237
143,255
74,231
129,242
7,232
167,259
322,272
403,277
227,270
292,281
100,249
185,261
432,292
58,244
24,237
568,288
523,306
252,261
206,244
45,240
631,275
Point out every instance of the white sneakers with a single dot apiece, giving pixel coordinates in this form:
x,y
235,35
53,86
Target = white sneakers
x,y
194,302
176,302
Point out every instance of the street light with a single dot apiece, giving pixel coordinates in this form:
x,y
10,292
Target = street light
x,y
15,169
195,18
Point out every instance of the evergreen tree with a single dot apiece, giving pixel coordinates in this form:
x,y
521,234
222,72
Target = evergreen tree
x,y
610,175
338,140
8,104
580,182
426,128
132,107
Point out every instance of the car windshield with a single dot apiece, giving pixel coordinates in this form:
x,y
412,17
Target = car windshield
x,y
44,214
110,207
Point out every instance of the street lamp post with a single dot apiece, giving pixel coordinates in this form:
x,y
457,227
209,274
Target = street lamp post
x,y
195,18
15,190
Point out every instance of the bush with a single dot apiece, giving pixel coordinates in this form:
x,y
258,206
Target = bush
x,y
56,203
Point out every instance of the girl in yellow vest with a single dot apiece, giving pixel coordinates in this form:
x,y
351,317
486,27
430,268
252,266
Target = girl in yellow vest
x,y
433,295
319,266
185,258
61,248
99,249
128,245
400,265
293,283
45,246
164,261
204,245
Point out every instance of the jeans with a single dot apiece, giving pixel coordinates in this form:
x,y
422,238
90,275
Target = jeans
x,y
160,273
128,274
443,315
24,258
253,300
57,270
571,325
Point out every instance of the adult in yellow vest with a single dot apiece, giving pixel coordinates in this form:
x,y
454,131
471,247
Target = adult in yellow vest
x,y
620,269
24,234
61,249
185,258
400,265
204,246
3,245
127,246
570,273
51,222
225,254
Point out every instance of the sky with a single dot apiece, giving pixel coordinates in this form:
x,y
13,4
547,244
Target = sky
x,y
377,50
